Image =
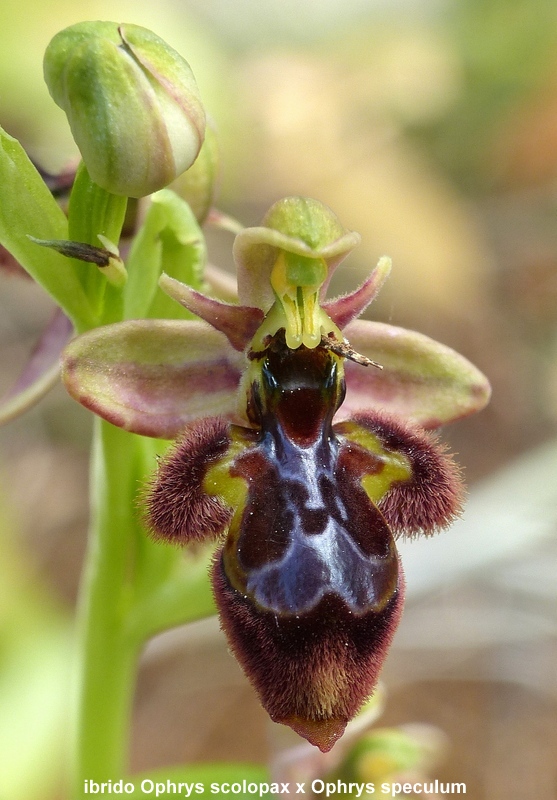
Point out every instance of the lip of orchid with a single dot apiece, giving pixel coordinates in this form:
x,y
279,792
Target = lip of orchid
x,y
307,579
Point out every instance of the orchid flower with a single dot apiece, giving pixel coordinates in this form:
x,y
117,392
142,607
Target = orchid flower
x,y
302,448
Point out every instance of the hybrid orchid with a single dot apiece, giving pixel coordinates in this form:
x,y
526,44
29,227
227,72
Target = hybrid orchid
x,y
302,448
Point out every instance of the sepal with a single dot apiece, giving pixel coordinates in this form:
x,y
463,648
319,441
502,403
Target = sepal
x,y
421,380
41,371
152,377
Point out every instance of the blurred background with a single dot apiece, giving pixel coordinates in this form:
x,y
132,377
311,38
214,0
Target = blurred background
x,y
429,126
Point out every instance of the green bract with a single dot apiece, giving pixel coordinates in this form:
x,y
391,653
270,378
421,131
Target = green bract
x,y
132,103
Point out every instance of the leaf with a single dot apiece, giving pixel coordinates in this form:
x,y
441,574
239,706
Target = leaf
x,y
171,241
27,207
421,379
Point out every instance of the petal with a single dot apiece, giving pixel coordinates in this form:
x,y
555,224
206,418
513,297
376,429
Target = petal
x,y
238,323
153,376
41,371
421,380
343,310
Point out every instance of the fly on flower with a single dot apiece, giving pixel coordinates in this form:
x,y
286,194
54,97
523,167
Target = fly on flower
x,y
308,477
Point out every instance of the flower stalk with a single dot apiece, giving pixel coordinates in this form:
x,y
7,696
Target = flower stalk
x,y
107,655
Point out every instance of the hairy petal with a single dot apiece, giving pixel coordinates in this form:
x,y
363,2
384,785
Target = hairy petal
x,y
432,496
238,323
312,671
178,509
152,377
343,310
421,380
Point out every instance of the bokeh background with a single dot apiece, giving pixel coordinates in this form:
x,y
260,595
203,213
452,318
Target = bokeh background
x,y
429,126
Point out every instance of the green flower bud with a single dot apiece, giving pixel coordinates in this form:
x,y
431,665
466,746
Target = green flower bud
x,y
198,186
132,103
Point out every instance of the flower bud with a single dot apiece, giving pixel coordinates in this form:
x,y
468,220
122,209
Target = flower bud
x,y
132,103
198,185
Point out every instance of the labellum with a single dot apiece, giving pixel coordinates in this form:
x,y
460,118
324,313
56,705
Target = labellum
x,y
308,581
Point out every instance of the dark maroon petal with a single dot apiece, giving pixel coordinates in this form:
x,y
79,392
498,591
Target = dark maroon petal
x,y
433,497
312,671
178,509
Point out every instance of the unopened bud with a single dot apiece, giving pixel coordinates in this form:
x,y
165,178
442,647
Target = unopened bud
x,y
132,103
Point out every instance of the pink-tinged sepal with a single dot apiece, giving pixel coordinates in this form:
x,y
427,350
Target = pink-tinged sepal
x,y
153,377
41,371
430,496
313,671
421,380
178,509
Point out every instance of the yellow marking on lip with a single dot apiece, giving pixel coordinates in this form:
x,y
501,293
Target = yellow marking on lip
x,y
396,465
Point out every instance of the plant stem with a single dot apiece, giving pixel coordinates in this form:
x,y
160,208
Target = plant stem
x,y
107,656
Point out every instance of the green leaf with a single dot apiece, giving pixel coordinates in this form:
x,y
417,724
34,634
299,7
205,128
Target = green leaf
x,y
171,241
92,212
183,596
28,208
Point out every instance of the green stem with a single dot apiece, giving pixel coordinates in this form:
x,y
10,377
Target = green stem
x,y
107,656
93,210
